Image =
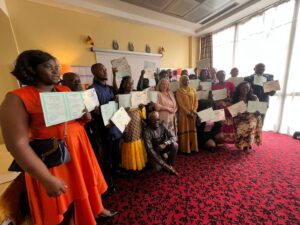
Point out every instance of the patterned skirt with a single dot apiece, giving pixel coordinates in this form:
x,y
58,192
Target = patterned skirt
x,y
248,130
133,152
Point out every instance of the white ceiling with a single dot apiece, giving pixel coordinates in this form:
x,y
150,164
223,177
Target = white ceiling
x,y
191,17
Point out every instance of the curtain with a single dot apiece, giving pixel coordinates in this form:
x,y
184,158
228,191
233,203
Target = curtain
x,y
206,49
265,38
223,42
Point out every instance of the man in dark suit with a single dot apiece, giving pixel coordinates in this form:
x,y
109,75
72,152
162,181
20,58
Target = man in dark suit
x,y
258,89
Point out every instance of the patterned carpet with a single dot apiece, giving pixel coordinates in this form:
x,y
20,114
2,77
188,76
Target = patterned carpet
x,y
226,187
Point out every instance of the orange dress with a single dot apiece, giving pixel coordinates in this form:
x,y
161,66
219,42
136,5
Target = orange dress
x,y
82,174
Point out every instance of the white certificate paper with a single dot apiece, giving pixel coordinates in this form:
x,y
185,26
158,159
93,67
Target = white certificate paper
x,y
174,85
122,66
121,119
271,86
236,80
150,68
239,107
202,95
219,94
219,115
259,80
124,100
107,111
206,86
75,102
254,106
152,95
194,84
206,115
55,109
90,99
139,97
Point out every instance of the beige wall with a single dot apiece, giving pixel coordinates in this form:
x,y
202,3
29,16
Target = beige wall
x,y
62,33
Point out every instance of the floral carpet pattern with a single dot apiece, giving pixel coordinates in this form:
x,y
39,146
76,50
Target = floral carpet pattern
x,y
225,187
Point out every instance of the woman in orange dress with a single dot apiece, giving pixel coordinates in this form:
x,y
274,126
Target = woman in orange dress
x,y
187,105
66,194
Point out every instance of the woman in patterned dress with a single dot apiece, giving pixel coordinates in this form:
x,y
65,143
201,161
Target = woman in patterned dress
x,y
133,152
248,126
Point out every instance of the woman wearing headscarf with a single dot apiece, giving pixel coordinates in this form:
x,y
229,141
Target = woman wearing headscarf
x,y
187,105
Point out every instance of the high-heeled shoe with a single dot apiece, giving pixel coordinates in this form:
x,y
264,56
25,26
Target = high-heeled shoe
x,y
111,214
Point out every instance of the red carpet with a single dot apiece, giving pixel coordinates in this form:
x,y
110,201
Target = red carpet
x,y
226,187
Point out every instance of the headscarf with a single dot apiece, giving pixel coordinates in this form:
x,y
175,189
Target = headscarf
x,y
185,90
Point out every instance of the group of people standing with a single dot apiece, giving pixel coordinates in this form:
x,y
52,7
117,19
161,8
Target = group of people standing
x,y
71,193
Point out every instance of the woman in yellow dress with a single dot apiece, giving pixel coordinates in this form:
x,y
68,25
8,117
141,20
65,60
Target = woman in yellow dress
x,y
187,105
133,152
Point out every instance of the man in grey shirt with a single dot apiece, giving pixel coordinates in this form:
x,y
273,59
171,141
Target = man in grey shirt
x,y
160,144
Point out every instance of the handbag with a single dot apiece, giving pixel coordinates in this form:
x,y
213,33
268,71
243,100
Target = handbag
x,y
52,152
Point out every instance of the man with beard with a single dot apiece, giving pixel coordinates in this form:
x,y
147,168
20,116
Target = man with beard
x,y
160,144
110,135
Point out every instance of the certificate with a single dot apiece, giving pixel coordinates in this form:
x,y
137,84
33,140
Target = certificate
x,y
107,111
236,80
239,107
206,86
76,106
90,99
194,84
54,108
139,97
121,119
254,106
271,86
152,95
174,85
219,94
259,80
202,95
219,115
122,66
124,100
206,115
149,68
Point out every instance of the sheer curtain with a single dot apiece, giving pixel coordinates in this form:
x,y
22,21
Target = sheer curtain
x,y
266,38
223,43
291,108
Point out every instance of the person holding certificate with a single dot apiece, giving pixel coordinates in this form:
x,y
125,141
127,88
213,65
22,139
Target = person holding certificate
x,y
227,125
133,152
109,134
72,80
166,106
187,105
257,81
209,132
248,126
69,193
